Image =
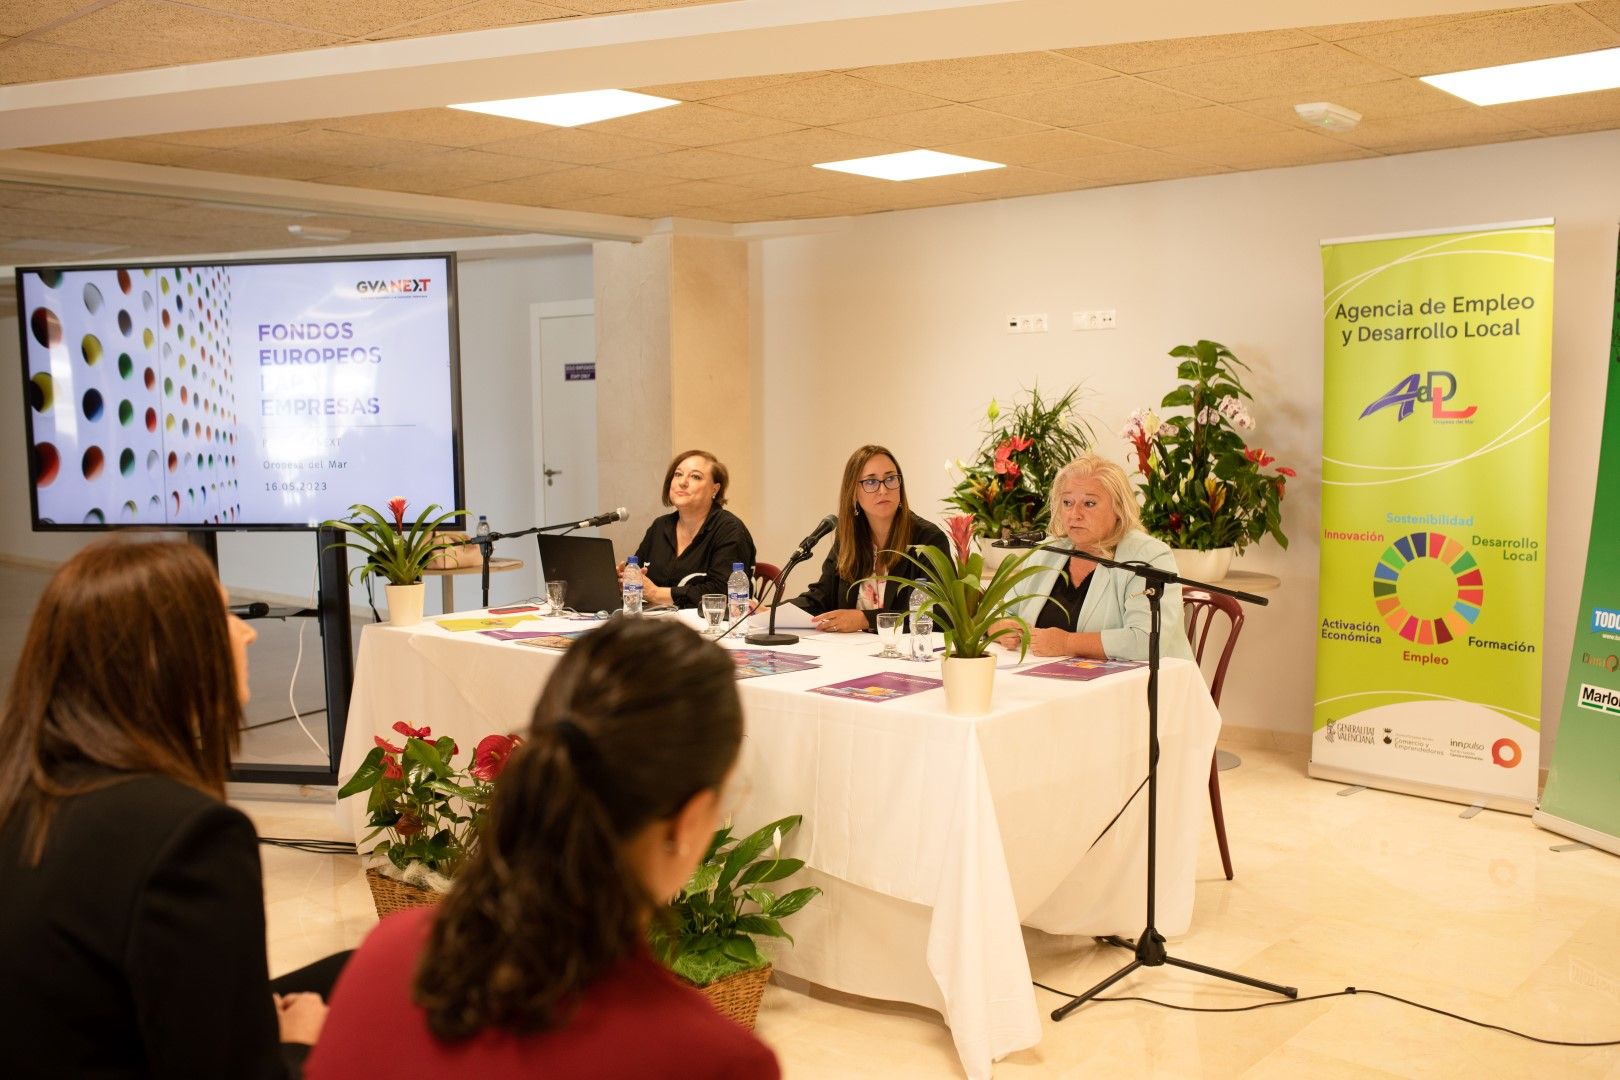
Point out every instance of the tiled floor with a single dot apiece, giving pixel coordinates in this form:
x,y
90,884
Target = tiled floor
x,y
1377,890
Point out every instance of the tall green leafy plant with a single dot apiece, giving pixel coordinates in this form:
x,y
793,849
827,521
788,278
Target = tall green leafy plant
x,y
1202,485
1005,488
709,929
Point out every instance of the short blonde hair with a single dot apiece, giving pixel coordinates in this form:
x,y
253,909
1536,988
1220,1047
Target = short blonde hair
x,y
1113,480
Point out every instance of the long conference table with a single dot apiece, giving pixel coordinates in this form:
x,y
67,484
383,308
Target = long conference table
x,y
933,837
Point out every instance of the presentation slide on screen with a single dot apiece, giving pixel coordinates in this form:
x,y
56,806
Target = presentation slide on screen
x,y
273,394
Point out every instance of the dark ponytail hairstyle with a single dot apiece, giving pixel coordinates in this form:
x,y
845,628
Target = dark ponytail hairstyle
x,y
638,717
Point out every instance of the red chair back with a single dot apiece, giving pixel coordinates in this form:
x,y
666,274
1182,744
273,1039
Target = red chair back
x,y
1199,609
765,574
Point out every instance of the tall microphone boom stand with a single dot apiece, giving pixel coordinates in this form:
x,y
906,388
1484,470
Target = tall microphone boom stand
x,y
1149,946
771,637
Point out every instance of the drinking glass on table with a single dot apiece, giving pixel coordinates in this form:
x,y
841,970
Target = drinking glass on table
x,y
556,593
888,632
714,610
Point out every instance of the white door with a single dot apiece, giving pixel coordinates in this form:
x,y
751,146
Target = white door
x,y
564,337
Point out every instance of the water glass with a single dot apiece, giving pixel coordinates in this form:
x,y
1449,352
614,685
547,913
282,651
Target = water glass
x,y
888,632
714,609
556,594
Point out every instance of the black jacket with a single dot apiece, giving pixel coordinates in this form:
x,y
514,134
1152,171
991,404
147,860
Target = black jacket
x,y
707,560
136,946
832,593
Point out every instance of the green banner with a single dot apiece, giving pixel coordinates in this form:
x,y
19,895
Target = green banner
x,y
1437,371
1582,798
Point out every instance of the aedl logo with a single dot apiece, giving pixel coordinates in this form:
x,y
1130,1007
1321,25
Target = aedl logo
x,y
1434,387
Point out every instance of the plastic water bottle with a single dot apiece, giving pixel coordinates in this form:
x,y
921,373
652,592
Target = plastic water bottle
x,y
922,627
483,526
632,586
917,599
737,591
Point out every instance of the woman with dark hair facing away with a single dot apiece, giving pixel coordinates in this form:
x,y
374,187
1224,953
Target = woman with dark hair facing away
x,y
874,522
132,917
690,552
536,963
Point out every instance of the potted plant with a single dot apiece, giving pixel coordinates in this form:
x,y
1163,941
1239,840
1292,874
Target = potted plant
x,y
428,811
967,606
1006,486
394,553
707,935
1203,488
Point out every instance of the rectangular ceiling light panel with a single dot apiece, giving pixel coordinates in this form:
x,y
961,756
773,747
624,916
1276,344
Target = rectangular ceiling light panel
x,y
1556,76
910,165
572,110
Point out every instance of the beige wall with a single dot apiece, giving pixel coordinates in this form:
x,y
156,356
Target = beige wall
x,y
891,331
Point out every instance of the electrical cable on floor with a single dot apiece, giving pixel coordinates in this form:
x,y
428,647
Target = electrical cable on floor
x,y
1349,991
311,845
314,587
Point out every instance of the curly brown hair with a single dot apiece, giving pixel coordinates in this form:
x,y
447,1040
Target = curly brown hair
x,y
638,717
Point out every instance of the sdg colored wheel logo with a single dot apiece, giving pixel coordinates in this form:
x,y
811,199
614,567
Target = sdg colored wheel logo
x,y
1428,588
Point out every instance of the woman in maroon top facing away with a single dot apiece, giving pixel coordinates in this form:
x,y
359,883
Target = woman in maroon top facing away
x,y
536,963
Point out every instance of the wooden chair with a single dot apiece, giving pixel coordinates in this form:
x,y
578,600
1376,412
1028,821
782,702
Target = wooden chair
x,y
765,574
1199,608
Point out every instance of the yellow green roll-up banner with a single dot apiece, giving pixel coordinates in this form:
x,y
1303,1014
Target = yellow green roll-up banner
x,y
1436,397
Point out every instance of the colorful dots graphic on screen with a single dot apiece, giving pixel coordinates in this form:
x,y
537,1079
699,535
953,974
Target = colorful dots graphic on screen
x,y
1428,588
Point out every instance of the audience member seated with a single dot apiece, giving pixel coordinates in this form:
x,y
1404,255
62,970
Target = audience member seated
x,y
1078,608
690,552
132,937
874,523
536,963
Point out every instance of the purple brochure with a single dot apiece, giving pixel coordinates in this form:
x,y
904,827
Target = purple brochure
x,y
753,663
881,686
1083,668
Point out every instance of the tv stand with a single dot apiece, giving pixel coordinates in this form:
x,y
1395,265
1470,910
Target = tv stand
x,y
337,654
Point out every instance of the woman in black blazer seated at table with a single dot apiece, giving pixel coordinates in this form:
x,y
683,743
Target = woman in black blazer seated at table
x,y
874,520
689,552
132,917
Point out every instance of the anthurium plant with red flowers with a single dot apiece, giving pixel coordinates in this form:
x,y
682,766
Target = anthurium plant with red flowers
x,y
1203,487
392,550
1006,486
428,810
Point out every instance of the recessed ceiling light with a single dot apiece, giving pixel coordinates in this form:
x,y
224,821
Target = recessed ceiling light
x,y
572,110
910,165
317,233
1553,77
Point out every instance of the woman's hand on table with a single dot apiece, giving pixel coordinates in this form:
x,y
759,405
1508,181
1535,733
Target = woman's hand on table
x,y
1050,641
842,621
1006,633
299,1017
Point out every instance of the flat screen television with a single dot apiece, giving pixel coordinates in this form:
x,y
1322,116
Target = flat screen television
x,y
248,395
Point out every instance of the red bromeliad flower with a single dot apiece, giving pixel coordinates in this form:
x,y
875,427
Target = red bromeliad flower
x,y
396,506
412,732
491,755
1143,448
961,530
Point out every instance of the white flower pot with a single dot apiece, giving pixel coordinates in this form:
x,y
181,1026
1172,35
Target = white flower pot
x,y
405,604
968,682
1210,566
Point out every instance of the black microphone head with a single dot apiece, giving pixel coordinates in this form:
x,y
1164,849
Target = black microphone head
x,y
828,524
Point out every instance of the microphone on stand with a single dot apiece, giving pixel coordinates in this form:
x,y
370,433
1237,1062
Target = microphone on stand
x,y
1022,540
801,553
621,514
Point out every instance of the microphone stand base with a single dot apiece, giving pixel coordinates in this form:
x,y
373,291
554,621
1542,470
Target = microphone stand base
x,y
772,639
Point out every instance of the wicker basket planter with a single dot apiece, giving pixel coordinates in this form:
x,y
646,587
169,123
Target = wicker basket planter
x,y
738,996
389,896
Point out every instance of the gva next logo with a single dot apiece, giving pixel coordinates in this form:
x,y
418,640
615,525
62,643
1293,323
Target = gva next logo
x,y
1435,387
395,287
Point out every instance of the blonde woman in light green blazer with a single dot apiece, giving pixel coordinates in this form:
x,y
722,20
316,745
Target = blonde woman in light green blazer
x,y
1094,510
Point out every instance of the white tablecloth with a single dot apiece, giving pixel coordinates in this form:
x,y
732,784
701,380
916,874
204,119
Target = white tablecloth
x,y
935,837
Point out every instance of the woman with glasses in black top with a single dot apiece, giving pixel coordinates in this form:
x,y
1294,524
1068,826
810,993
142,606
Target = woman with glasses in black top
x,y
874,522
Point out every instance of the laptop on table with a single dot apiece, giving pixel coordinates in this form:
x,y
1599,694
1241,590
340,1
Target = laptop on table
x,y
587,564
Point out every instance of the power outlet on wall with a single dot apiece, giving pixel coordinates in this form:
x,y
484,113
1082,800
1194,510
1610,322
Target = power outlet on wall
x,y
1094,320
1026,324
